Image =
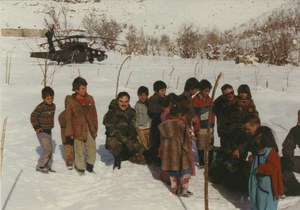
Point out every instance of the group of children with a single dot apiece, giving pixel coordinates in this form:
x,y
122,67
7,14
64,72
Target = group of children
x,y
166,126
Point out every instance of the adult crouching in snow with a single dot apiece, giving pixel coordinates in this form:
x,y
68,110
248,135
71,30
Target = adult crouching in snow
x,y
290,162
121,136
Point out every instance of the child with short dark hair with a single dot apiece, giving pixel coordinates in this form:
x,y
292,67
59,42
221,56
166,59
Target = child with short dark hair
x,y
82,125
155,108
245,101
143,121
190,88
66,140
42,120
265,181
177,158
202,105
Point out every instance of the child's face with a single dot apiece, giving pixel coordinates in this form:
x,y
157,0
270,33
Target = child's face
x,y
81,91
243,95
257,140
205,92
143,97
161,92
193,91
48,100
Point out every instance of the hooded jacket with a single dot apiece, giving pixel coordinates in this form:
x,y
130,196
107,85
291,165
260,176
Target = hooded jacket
x,y
62,121
176,149
79,116
120,124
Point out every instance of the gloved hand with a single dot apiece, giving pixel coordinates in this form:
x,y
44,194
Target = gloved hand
x,y
287,163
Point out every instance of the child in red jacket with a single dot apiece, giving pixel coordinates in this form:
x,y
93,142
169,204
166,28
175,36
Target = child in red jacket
x,y
265,181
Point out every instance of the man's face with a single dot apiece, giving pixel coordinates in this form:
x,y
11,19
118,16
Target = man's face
x,y
123,102
81,91
229,92
251,129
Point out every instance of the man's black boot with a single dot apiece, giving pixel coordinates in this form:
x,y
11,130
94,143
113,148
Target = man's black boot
x,y
117,163
90,168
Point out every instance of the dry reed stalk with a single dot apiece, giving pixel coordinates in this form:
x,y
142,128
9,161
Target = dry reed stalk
x,y
128,79
170,77
2,141
52,74
208,140
118,77
6,69
9,65
177,83
287,77
196,69
79,72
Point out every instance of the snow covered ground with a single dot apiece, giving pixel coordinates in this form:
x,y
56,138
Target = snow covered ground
x,y
134,186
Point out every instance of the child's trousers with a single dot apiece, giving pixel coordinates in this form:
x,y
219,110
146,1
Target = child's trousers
x,y
180,185
90,147
69,152
45,140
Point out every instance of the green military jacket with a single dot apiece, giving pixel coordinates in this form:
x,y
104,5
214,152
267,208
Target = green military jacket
x,y
119,123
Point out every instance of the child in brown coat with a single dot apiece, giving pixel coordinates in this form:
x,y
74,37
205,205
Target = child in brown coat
x,y
176,150
82,125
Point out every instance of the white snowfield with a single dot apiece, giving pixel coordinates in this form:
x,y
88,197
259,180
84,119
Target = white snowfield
x,y
133,186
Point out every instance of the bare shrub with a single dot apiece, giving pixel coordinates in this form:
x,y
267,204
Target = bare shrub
x,y
107,30
188,40
137,42
58,18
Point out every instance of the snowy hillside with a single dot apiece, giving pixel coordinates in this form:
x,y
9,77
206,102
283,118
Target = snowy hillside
x,y
156,17
133,186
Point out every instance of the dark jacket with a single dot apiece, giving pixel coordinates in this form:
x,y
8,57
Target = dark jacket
x,y
120,124
176,149
79,116
291,141
62,121
191,112
155,106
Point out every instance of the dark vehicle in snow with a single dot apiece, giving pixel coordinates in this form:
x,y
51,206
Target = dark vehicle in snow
x,y
69,51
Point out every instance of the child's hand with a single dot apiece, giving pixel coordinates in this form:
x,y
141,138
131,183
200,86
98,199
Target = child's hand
x,y
39,130
236,154
250,159
195,120
71,137
256,171
137,130
250,110
194,138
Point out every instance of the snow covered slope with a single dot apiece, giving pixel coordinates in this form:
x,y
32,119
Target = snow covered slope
x,y
134,186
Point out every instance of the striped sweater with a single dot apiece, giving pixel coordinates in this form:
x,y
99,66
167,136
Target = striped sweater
x,y
201,107
43,117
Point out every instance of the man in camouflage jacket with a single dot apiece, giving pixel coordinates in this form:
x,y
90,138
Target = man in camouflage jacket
x,y
121,136
291,163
